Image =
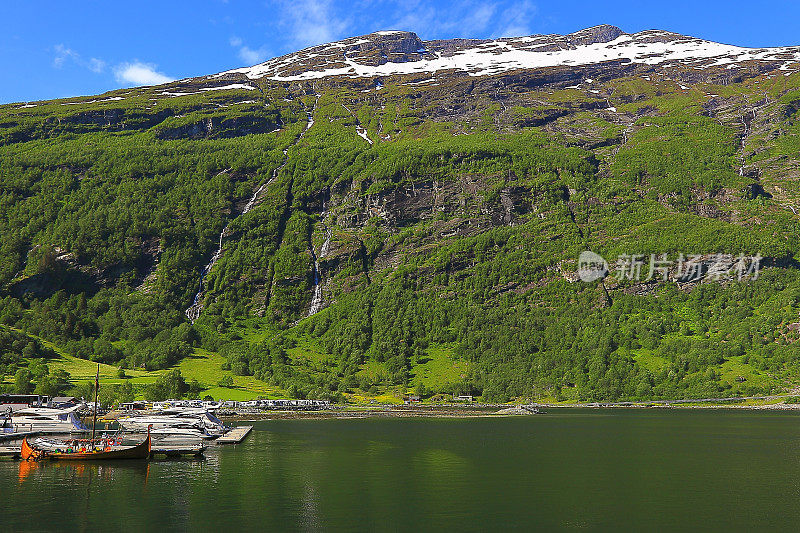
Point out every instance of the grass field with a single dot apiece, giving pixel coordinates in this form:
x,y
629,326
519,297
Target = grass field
x,y
307,350
735,368
650,361
202,365
205,367
439,367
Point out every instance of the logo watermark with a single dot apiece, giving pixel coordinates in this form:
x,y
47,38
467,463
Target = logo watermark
x,y
591,266
683,267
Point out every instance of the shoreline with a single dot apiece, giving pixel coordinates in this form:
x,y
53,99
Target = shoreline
x,y
482,410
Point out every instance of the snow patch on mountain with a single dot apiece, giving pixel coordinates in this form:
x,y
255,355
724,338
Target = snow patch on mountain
x,y
366,56
229,87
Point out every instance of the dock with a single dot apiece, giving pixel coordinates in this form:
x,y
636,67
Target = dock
x,y
11,452
174,450
235,436
18,436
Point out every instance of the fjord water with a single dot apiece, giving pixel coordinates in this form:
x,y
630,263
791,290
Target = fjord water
x,y
566,470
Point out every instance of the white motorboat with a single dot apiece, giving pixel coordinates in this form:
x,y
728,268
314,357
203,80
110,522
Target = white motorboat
x,y
192,419
6,425
183,432
45,420
47,411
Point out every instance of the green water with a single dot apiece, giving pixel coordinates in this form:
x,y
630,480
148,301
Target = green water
x,y
643,470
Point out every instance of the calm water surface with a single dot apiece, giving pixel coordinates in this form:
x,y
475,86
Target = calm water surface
x,y
579,470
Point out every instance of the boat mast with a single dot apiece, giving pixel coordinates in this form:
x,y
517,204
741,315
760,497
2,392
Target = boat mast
x,y
96,389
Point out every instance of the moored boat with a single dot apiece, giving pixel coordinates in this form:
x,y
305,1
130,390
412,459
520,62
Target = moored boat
x,y
84,451
203,423
48,420
6,425
183,432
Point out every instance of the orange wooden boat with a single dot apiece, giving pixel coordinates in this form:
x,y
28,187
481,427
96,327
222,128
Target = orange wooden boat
x,y
139,451
87,450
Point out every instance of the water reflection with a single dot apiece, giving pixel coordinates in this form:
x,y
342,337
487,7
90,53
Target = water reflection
x,y
77,472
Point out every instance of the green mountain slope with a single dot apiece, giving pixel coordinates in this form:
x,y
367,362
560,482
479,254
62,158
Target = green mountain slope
x,y
431,230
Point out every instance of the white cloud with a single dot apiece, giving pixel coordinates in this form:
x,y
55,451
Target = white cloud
x,y
517,20
96,65
314,22
460,18
138,73
478,18
64,54
249,55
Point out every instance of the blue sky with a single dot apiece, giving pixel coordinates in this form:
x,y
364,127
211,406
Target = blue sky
x,y
53,49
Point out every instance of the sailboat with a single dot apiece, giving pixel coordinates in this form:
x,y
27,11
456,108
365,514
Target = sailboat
x,y
80,450
86,451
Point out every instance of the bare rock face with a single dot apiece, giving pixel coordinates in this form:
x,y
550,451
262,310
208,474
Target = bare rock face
x,y
598,34
223,128
369,50
385,47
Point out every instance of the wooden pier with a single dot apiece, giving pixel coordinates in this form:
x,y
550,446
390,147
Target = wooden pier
x,y
174,450
18,436
235,436
10,452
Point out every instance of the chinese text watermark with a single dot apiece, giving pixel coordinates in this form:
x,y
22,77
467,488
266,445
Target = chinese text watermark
x,y
685,268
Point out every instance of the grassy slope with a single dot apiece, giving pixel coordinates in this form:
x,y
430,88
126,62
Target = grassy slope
x,y
204,366
440,366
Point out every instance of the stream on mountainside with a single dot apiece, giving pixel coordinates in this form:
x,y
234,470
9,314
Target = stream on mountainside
x,y
194,310
317,303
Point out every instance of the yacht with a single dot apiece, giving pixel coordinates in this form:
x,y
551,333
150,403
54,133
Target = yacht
x,y
184,432
46,420
175,420
6,425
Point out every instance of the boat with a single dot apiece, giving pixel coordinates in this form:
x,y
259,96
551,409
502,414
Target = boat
x,y
48,411
188,431
84,450
43,420
6,424
200,420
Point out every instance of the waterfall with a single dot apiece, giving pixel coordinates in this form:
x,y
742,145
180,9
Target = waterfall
x,y
317,302
194,310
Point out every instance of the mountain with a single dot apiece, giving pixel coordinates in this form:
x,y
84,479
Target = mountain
x,y
391,53
385,213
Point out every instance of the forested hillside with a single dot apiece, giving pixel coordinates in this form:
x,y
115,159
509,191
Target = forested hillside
x,y
412,232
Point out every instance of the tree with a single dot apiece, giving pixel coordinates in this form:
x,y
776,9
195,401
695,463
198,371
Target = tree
x,y
23,383
125,392
169,385
54,384
85,390
195,388
39,369
226,381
